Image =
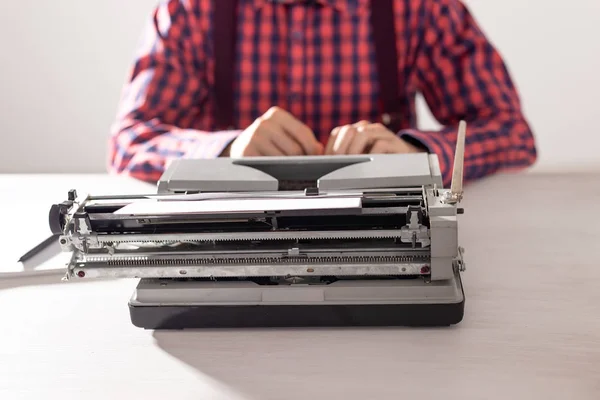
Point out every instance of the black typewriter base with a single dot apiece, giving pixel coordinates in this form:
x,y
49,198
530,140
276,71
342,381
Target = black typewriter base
x,y
196,317
150,310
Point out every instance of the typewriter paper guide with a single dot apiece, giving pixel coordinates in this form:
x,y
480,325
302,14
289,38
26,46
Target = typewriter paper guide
x,y
152,207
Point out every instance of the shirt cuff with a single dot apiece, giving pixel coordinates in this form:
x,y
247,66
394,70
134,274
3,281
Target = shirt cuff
x,y
211,145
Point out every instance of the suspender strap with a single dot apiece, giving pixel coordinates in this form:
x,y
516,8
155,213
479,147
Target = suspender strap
x,y
383,28
384,37
224,40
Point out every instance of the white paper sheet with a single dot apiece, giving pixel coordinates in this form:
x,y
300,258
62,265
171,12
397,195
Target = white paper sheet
x,y
152,207
250,195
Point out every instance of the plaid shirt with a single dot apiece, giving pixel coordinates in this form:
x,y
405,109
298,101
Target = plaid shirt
x,y
317,61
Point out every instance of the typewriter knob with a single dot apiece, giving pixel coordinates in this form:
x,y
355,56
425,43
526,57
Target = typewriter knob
x,y
56,216
72,195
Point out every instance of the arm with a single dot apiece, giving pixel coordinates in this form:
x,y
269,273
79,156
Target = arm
x,y
160,116
462,76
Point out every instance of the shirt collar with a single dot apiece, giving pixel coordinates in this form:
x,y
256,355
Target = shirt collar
x,y
344,6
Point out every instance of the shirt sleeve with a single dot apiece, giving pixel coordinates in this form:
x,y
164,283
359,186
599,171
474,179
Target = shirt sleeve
x,y
159,113
462,77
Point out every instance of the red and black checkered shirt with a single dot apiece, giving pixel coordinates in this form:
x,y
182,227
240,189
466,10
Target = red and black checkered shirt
x,y
317,61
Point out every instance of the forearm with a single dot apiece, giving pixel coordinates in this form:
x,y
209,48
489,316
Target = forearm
x,y
160,115
493,144
144,149
463,77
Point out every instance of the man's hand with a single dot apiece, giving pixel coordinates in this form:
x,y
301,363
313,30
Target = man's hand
x,y
275,133
366,138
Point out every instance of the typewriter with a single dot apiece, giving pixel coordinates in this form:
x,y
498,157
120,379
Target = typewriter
x,y
367,240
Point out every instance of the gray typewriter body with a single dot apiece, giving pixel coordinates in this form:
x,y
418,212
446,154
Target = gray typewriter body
x,y
294,241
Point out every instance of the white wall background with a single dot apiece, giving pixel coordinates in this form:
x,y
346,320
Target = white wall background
x,y
63,63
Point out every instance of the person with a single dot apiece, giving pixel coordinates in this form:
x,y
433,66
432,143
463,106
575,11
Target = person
x,y
306,78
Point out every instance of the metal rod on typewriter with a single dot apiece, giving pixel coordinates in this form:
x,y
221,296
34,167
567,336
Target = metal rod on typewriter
x,y
456,188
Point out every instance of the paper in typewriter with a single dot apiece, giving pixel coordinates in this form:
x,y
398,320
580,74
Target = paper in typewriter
x,y
152,207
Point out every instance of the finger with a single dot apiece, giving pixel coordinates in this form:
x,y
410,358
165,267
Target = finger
x,y
381,147
267,148
248,151
266,137
274,133
361,123
287,145
334,133
344,139
331,141
360,143
296,129
362,140
366,136
376,131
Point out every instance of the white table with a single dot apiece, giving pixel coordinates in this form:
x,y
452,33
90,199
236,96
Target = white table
x,y
531,329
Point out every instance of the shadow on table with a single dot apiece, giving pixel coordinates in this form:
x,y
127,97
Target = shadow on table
x,y
309,362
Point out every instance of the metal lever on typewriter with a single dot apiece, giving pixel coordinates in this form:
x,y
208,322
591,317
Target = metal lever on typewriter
x,y
456,187
48,248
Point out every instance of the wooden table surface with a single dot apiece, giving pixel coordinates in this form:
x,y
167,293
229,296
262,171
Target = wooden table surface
x,y
531,328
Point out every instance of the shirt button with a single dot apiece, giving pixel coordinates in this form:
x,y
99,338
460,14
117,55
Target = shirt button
x,y
296,36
